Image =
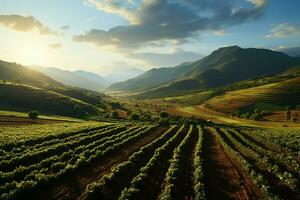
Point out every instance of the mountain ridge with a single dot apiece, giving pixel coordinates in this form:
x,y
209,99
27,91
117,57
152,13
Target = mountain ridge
x,y
223,66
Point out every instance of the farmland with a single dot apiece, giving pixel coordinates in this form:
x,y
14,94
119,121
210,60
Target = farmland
x,y
127,160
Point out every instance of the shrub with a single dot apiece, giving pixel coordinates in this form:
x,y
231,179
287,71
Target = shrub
x,y
256,116
33,115
163,114
114,114
134,116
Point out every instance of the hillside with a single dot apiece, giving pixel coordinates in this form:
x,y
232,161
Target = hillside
x,y
123,74
19,73
275,96
80,79
93,77
25,89
152,78
25,98
224,66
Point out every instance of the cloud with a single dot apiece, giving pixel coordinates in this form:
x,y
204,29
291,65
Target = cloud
x,y
220,33
25,24
153,21
66,27
55,45
291,51
283,30
123,8
167,59
258,3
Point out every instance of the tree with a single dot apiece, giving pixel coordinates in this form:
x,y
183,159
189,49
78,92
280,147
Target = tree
x,y
288,115
114,114
33,115
163,114
134,116
116,105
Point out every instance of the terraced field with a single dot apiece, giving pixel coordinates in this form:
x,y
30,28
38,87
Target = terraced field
x,y
125,161
277,95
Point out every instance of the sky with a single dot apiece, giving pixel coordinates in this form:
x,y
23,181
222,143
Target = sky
x,y
108,36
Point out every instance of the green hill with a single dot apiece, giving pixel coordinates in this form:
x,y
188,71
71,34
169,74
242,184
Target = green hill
x,y
25,98
274,96
24,89
224,66
21,74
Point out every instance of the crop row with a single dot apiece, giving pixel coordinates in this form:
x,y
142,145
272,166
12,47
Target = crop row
x,y
36,157
284,176
57,163
287,161
153,172
16,152
257,178
199,188
285,140
29,142
175,171
110,186
39,179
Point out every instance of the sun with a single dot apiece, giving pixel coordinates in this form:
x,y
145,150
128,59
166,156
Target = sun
x,y
33,54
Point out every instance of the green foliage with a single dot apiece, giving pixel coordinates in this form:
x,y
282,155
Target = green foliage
x,y
163,114
114,114
61,155
134,116
116,105
33,115
256,116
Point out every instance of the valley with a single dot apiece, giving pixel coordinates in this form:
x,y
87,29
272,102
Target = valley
x,y
191,135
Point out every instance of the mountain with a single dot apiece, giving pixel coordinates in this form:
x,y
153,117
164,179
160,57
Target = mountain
x,y
291,51
152,78
93,77
123,75
19,73
81,79
223,66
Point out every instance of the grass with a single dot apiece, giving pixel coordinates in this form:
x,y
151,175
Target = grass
x,y
23,114
191,99
275,95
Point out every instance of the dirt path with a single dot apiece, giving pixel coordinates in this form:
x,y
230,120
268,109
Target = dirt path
x,y
223,180
73,186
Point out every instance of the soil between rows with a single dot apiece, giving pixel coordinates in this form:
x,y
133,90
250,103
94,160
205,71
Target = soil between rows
x,y
222,178
73,186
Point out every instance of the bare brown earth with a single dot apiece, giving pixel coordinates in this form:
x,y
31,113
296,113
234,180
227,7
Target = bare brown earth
x,y
13,120
223,178
73,185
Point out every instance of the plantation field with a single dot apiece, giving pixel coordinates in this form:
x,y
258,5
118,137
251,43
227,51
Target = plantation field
x,y
275,96
143,161
274,119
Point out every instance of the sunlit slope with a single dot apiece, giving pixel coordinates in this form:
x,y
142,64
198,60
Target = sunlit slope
x,y
18,73
271,96
26,98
